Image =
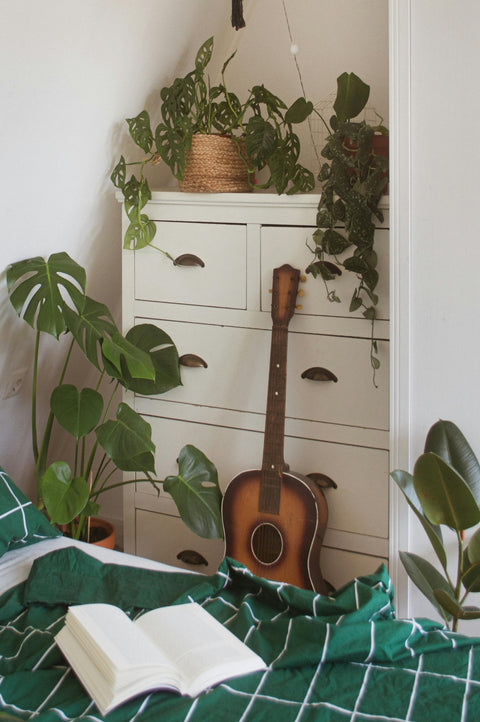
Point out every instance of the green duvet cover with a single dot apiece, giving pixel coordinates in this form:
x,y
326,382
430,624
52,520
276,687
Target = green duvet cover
x,y
343,657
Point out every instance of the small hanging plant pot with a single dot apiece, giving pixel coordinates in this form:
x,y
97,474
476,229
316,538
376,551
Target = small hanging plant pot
x,y
214,164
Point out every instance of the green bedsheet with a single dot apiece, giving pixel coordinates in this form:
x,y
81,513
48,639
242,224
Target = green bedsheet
x,y
343,657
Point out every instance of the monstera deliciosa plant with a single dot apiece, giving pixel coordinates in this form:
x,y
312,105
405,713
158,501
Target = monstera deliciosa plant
x,y
444,490
262,124
50,296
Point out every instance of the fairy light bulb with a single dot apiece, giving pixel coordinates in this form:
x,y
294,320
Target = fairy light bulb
x,y
294,48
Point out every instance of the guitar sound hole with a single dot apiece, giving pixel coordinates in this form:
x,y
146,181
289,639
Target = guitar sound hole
x,y
267,543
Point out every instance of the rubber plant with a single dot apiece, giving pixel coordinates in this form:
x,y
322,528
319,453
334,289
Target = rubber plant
x,y
444,490
192,105
353,179
49,294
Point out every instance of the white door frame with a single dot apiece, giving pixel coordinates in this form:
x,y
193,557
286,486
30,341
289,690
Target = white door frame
x,y
400,302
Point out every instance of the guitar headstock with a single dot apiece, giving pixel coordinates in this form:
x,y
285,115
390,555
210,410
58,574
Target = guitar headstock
x,y
284,293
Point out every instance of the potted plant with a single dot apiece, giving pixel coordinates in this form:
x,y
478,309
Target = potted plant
x,y
260,129
353,179
444,489
50,296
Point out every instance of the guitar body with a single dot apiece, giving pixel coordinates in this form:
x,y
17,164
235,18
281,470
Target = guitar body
x,y
283,546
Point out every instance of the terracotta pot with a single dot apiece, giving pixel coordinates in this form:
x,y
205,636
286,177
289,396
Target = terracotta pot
x,y
104,531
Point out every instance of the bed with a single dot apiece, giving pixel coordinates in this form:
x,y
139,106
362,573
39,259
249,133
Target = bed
x,y
341,657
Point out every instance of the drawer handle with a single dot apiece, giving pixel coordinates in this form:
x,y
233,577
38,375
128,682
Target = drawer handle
x,y
318,373
188,259
190,556
191,359
322,480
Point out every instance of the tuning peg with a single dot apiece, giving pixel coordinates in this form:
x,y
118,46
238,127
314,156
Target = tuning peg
x,y
303,279
270,290
301,293
299,307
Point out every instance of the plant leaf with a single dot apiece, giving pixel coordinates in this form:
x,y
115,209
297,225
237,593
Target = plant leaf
x,y
452,607
38,290
128,441
427,579
196,493
443,494
164,356
445,439
78,412
404,481
352,96
124,355
299,111
260,139
141,131
63,496
89,325
140,233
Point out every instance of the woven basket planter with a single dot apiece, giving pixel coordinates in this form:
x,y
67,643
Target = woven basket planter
x,y
213,165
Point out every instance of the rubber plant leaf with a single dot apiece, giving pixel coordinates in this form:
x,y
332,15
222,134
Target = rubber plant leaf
x,y
471,577
64,497
443,494
128,441
120,353
452,607
352,96
404,481
164,356
445,439
89,325
196,493
427,579
38,289
78,412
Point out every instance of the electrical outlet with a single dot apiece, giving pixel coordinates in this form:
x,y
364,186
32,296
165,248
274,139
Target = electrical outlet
x,y
12,386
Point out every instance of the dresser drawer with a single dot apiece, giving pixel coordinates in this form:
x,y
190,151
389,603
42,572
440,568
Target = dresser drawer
x,y
221,281
358,506
281,245
236,376
163,537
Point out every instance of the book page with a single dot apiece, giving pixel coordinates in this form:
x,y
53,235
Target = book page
x,y
202,649
108,633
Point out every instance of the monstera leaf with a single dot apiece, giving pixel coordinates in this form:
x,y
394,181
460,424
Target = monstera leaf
x,y
38,287
89,325
64,497
78,412
128,441
196,493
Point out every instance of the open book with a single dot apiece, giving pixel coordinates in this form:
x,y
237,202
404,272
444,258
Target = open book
x,y
179,648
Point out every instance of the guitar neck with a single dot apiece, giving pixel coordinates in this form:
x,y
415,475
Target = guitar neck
x,y
273,463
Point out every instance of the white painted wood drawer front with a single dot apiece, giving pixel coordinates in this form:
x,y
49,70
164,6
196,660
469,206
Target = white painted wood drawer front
x,y
236,376
221,281
288,245
358,508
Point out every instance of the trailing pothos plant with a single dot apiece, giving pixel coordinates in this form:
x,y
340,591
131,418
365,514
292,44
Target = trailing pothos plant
x,y
353,179
263,122
444,489
50,296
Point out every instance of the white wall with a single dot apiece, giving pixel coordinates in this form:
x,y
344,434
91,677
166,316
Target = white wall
x,y
445,229
70,73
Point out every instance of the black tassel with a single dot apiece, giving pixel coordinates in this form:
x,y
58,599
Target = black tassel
x,y
237,14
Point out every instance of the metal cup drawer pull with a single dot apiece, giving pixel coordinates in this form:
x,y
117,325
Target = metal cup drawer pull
x,y
318,373
188,259
190,556
192,360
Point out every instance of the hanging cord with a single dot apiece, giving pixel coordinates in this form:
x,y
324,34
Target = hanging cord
x,y
237,14
294,51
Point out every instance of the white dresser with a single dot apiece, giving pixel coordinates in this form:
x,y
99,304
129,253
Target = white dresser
x,y
219,310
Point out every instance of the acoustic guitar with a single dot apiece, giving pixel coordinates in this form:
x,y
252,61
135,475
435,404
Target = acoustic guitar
x,y
275,519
